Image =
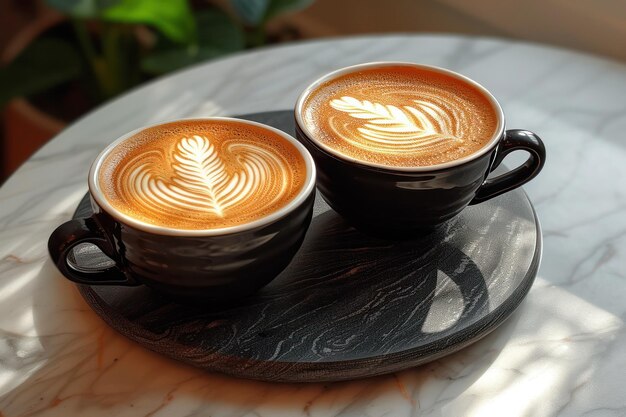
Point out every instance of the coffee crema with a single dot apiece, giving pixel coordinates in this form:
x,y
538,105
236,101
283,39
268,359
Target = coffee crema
x,y
400,116
202,174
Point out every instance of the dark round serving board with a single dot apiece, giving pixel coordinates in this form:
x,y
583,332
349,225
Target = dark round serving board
x,y
348,306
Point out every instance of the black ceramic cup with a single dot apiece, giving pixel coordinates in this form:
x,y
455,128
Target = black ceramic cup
x,y
407,201
212,266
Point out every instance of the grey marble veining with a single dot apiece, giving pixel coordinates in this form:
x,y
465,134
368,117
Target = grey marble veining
x,y
561,354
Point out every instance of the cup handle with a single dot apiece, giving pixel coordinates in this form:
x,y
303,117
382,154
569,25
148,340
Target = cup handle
x,y
514,140
75,232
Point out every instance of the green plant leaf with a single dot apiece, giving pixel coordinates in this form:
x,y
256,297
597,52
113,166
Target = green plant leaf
x,y
45,63
251,12
217,35
173,18
277,7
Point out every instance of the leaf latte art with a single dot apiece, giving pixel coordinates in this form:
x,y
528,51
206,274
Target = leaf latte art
x,y
422,126
206,180
399,116
201,182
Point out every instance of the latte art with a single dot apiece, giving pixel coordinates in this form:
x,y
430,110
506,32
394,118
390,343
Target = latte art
x,y
217,177
200,182
420,127
399,115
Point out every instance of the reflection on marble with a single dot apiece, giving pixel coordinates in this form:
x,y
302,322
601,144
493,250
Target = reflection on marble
x,y
560,354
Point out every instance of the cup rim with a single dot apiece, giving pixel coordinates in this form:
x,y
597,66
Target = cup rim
x,y
493,141
97,194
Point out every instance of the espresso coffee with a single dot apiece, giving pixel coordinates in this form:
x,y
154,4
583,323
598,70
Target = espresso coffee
x,y
202,174
399,116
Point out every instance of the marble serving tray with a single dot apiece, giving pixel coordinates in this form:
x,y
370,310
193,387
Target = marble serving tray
x,y
348,306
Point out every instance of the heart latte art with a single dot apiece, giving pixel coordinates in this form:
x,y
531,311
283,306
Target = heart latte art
x,y
400,116
202,174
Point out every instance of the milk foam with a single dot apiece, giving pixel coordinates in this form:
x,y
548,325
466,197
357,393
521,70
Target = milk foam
x,y
202,174
400,116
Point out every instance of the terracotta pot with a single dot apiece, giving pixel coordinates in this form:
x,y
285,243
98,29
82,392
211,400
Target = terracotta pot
x,y
25,127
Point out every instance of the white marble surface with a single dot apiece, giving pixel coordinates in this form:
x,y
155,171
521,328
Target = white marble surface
x,y
561,354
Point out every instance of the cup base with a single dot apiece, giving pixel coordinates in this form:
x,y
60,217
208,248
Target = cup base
x,y
393,229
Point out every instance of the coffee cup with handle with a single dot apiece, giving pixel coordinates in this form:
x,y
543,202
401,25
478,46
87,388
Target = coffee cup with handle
x,y
401,148
204,210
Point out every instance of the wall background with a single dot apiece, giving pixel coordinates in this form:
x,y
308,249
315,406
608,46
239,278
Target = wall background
x,y
595,26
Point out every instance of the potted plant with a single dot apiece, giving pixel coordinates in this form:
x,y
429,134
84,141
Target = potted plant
x,y
84,52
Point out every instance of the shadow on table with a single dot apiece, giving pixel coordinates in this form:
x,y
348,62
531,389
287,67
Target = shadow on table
x,y
82,361
81,364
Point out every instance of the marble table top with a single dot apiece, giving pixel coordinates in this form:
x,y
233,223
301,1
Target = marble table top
x,y
561,354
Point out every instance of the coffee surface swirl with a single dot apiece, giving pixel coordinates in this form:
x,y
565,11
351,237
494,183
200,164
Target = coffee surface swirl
x,y
202,174
400,116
